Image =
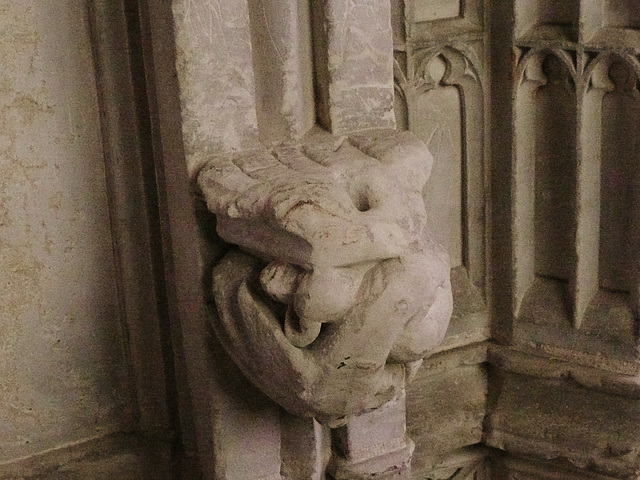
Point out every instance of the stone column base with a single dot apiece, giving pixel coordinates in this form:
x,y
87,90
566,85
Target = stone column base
x,y
391,465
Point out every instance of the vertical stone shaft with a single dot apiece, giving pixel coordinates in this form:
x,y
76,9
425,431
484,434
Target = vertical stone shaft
x,y
305,448
215,73
353,55
373,444
239,429
283,67
584,282
353,47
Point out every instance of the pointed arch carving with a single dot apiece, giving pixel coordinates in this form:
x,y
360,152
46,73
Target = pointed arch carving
x,y
444,96
545,172
610,167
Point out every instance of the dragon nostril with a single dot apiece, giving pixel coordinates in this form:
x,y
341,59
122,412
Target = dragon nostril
x,y
361,202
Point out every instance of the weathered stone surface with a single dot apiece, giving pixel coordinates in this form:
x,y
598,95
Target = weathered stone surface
x,y
353,48
118,456
539,365
435,10
305,447
215,72
520,469
547,20
605,340
470,463
361,289
470,321
281,47
550,419
442,88
610,23
373,445
446,405
63,372
246,432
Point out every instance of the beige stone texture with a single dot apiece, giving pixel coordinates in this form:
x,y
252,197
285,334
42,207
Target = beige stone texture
x,y
470,463
470,318
610,23
282,58
446,404
305,447
504,469
63,371
338,228
353,48
118,456
550,419
373,445
550,366
437,10
540,94
215,72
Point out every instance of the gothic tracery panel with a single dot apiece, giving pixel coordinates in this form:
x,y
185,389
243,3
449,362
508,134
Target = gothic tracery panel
x,y
444,103
445,143
574,231
620,158
555,165
441,87
545,171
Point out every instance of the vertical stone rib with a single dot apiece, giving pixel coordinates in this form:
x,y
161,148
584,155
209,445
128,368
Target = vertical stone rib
x,y
524,194
474,178
635,235
585,275
354,64
213,59
283,65
306,447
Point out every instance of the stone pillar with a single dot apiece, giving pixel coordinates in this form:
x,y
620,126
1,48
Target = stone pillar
x,y
215,72
373,445
201,86
283,68
336,286
354,64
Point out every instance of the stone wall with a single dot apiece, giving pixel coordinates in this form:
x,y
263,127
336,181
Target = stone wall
x,y
64,377
567,233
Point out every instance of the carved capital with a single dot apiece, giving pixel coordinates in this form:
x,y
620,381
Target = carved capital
x,y
336,284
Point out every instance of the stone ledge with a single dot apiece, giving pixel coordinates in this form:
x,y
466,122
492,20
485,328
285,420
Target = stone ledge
x,y
514,360
469,463
528,469
117,456
446,404
555,420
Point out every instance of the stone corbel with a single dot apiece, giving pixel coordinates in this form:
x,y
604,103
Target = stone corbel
x,y
337,290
